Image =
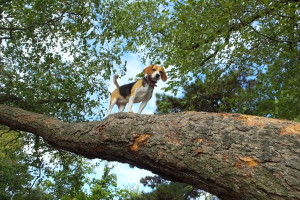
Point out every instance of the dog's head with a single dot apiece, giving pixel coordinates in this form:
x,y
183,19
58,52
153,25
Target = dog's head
x,y
156,72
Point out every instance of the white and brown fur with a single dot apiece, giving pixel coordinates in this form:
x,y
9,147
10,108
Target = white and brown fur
x,y
139,91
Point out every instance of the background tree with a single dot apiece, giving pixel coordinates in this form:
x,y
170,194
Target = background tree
x,y
106,187
49,48
217,38
164,189
25,174
15,177
232,93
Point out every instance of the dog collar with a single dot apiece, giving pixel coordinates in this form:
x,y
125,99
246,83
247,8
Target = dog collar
x,y
150,81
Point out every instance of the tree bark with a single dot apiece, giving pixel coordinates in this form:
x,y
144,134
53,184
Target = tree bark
x,y
233,156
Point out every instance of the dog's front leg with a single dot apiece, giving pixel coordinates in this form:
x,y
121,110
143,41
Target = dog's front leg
x,y
130,103
142,106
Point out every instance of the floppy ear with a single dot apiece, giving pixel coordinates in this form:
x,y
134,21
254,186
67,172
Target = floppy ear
x,y
163,75
148,70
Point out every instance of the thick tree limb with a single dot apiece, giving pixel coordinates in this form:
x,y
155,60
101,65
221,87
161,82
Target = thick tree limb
x,y
231,155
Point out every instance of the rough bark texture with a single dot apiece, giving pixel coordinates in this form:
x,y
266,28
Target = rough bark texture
x,y
233,156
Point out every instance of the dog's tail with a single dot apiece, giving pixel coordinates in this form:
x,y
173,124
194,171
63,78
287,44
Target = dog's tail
x,y
115,80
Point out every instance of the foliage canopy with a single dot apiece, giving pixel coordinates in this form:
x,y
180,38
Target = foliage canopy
x,y
56,55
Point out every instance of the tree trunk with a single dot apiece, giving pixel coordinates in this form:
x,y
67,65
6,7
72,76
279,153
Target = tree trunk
x,y
233,156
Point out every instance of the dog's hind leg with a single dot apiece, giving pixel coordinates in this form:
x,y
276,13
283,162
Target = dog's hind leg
x,y
121,107
112,103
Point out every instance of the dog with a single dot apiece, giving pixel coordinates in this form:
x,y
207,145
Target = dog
x,y
139,91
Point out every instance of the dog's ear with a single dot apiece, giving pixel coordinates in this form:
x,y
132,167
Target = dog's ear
x,y
163,75
148,70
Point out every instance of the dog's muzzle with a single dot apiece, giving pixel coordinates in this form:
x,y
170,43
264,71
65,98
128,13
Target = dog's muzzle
x,y
157,76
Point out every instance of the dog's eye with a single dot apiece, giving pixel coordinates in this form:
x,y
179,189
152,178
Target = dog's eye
x,y
153,69
160,72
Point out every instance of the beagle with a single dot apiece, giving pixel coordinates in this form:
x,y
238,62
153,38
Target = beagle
x,y
139,91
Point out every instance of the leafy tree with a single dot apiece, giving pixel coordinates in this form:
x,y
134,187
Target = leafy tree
x,y
200,38
153,181
24,174
106,187
54,57
12,173
73,184
15,177
167,190
49,48
232,93
67,176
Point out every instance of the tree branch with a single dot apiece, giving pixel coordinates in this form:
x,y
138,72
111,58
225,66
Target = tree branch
x,y
11,29
271,38
233,156
9,98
